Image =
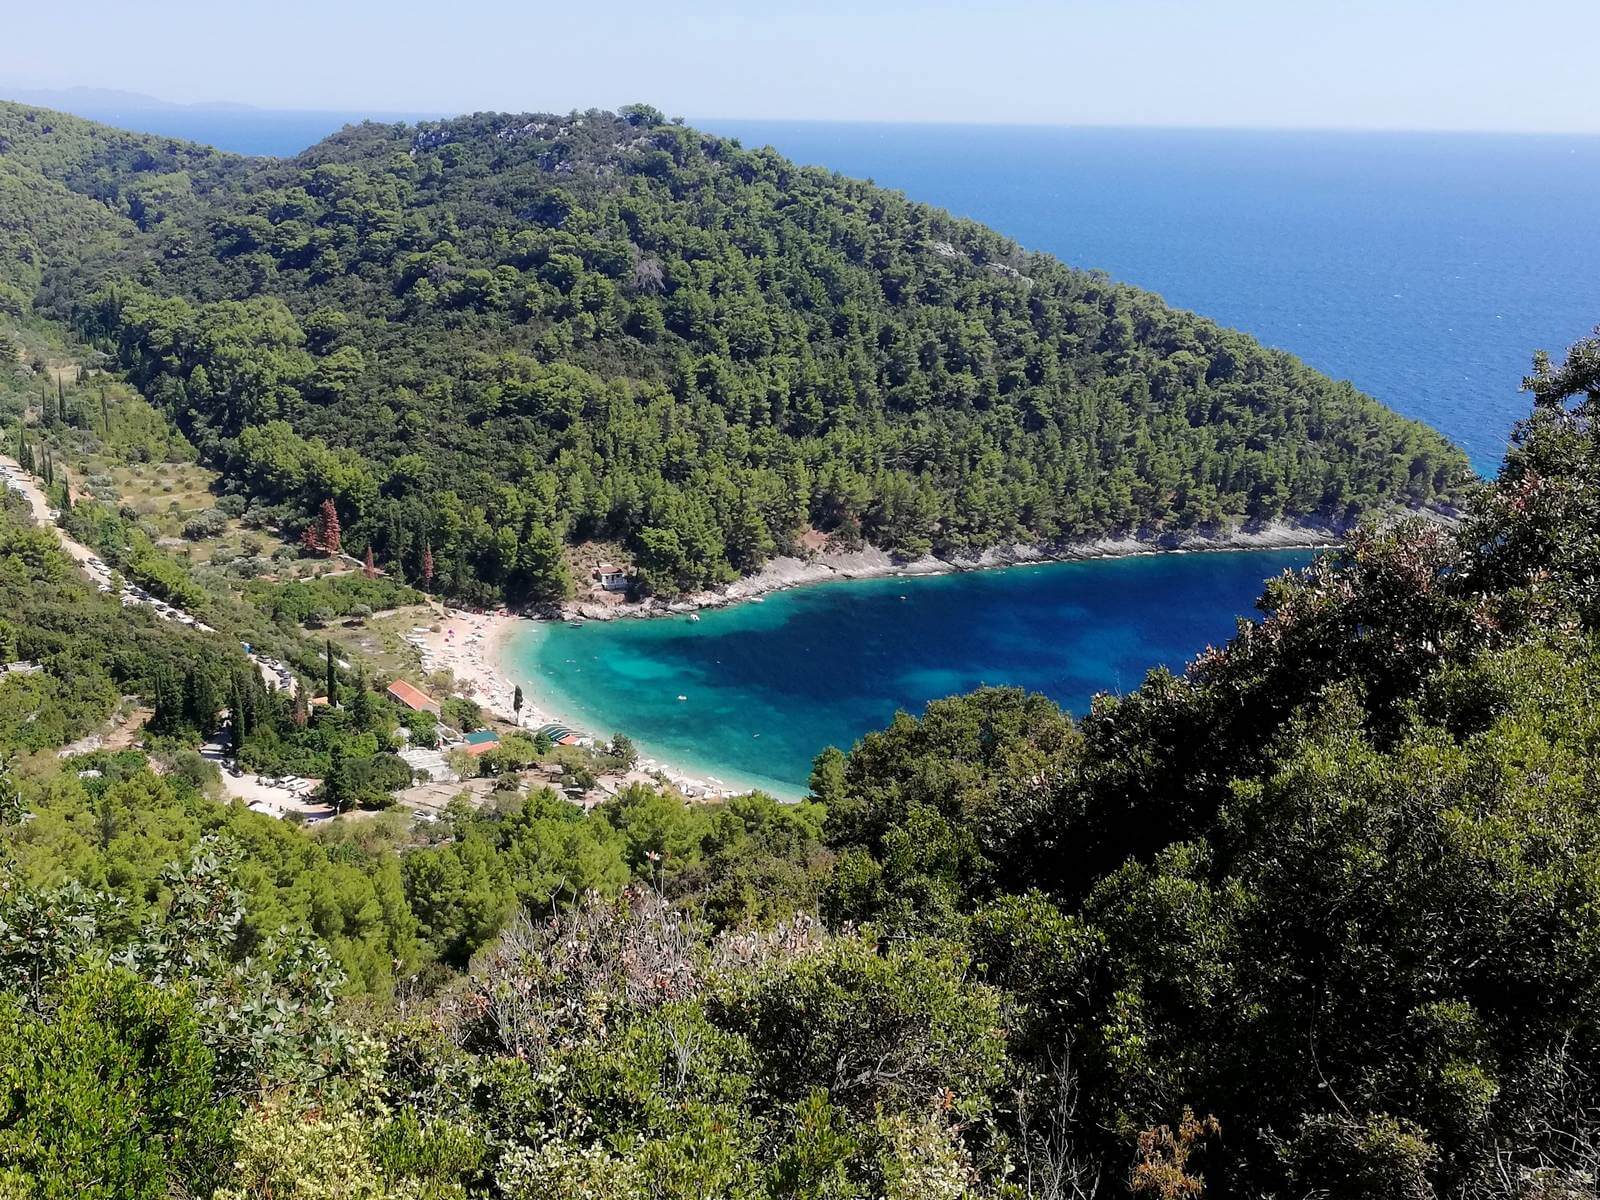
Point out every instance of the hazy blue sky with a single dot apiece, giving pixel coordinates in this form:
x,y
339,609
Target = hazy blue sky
x,y
1410,64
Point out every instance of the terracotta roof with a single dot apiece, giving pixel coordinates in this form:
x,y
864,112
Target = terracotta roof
x,y
411,697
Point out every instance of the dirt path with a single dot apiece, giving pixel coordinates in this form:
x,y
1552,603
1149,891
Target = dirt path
x,y
276,674
119,734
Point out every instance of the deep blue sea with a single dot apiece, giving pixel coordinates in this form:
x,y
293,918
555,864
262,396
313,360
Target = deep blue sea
x,y
1424,267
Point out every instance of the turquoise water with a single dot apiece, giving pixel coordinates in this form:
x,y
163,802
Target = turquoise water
x,y
765,686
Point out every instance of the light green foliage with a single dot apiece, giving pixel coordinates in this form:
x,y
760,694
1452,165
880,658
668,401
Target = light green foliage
x,y
290,1148
90,648
339,595
108,1093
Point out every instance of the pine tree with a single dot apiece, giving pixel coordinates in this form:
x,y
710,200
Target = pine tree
x,y
328,527
309,540
543,565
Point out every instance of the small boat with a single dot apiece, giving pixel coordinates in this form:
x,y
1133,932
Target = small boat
x,y
576,624
682,697
694,616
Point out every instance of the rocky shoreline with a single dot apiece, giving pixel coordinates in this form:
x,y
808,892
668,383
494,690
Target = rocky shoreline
x,y
872,563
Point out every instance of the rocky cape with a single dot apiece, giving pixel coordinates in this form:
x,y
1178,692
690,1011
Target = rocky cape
x,y
870,562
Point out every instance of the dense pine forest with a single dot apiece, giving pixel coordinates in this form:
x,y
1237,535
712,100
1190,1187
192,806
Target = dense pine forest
x,y
1315,918
488,338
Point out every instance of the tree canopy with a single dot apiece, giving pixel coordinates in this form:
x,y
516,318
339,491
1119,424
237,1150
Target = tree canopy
x,y
485,336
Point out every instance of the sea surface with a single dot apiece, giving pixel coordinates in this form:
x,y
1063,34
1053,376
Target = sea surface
x,y
752,692
259,131
1426,268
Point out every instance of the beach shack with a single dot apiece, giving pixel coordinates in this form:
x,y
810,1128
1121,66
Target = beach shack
x,y
413,698
481,742
611,577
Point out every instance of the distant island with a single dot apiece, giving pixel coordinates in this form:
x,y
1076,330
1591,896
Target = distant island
x,y
489,340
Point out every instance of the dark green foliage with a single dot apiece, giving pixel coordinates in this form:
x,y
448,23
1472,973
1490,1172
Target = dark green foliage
x,y
109,1094
485,336
1335,885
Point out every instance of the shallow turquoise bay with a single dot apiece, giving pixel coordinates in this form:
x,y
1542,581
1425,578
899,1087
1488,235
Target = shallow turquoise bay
x,y
767,685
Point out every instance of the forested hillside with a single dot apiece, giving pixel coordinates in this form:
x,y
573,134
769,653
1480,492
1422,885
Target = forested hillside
x,y
1318,918
485,337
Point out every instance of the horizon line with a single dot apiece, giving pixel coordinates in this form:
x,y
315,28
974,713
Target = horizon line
x,y
159,106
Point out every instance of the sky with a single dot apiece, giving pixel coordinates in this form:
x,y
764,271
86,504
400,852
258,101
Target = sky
x,y
1346,64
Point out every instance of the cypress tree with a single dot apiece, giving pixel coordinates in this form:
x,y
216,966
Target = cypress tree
x,y
363,715
332,676
239,718
168,714
335,788
199,701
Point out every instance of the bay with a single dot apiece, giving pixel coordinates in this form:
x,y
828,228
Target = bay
x,y
1425,268
752,692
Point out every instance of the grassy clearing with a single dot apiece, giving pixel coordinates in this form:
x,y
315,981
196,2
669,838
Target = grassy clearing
x,y
380,640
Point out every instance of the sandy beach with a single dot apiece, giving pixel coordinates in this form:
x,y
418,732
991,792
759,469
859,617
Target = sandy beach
x,y
471,647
